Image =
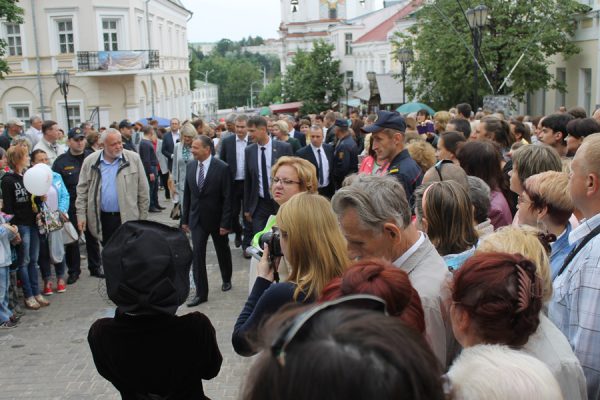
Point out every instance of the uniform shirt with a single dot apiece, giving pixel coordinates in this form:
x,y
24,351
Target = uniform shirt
x,y
575,304
240,146
109,198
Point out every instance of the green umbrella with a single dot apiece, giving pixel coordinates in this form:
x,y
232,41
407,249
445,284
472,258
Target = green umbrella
x,y
265,111
414,107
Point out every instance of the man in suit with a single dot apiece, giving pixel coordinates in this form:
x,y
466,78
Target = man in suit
x,y
169,140
206,212
233,151
321,156
259,157
296,134
345,160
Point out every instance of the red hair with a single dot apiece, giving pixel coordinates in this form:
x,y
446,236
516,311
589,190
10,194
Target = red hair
x,y
382,279
502,295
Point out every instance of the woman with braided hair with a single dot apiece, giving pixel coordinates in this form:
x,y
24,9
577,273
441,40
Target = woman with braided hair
x,y
497,299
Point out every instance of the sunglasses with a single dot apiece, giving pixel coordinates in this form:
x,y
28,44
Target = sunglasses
x,y
438,167
287,335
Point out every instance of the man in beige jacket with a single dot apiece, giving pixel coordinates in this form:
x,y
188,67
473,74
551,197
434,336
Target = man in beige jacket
x,y
112,188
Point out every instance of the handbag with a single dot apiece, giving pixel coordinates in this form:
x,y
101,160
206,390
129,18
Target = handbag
x,y
69,233
48,221
176,212
56,247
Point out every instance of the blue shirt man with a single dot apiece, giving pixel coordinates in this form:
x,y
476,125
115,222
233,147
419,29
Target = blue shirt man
x,y
109,198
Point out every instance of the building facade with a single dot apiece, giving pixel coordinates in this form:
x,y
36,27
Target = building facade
x,y
205,100
126,59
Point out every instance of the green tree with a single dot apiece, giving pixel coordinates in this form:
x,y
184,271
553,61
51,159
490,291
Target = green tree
x,y
442,72
312,76
9,12
272,93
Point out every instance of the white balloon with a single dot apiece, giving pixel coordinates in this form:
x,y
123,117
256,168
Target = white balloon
x,y
38,179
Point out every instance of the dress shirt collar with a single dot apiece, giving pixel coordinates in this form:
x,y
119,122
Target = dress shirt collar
x,y
411,250
245,139
316,148
106,162
205,163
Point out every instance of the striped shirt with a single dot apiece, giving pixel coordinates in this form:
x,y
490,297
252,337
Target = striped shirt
x,y
575,305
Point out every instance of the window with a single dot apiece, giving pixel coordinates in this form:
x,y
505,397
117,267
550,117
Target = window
x,y
65,36
382,62
13,40
587,89
110,34
350,78
561,77
348,42
20,111
74,114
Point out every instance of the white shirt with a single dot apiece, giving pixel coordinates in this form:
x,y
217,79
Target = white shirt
x,y
240,147
268,153
175,137
205,164
411,250
324,167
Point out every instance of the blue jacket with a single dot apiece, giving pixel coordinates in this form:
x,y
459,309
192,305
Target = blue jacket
x,y
560,250
63,193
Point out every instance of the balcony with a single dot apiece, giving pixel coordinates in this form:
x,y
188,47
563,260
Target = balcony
x,y
118,62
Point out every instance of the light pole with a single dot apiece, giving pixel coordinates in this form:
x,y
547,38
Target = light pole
x,y
477,18
405,56
62,79
252,93
347,85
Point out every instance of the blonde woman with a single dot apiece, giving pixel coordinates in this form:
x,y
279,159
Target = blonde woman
x,y
315,250
547,343
182,154
281,132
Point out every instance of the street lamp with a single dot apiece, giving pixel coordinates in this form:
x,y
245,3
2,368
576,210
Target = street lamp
x,y
62,80
252,91
477,18
405,56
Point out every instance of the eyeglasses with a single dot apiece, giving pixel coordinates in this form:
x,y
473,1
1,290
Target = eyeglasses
x,y
438,167
287,335
284,182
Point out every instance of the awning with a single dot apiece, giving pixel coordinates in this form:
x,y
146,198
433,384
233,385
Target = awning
x,y
363,94
286,107
390,90
352,102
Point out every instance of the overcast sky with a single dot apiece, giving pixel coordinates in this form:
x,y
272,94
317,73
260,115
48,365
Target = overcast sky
x,y
232,19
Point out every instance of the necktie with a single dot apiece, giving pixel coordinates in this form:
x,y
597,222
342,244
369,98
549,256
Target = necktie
x,y
200,175
264,173
320,168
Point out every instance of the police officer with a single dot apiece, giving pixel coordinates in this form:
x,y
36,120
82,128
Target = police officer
x,y
68,166
345,157
387,136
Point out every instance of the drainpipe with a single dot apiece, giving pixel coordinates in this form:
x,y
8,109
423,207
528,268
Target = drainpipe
x,y
37,59
149,48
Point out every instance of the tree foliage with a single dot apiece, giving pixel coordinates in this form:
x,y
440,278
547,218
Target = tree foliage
x,y
312,76
272,93
442,72
9,12
234,71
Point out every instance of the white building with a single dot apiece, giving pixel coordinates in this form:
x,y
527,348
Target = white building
x,y
271,47
126,59
205,100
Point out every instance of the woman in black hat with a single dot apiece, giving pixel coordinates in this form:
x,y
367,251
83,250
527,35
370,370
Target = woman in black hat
x,y
146,351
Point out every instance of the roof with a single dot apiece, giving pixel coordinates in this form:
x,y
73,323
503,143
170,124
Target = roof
x,y
380,32
286,107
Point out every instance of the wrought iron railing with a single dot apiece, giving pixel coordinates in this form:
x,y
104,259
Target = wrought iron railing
x,y
121,60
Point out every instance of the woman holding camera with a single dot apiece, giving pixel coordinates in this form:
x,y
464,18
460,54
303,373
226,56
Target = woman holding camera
x,y
315,250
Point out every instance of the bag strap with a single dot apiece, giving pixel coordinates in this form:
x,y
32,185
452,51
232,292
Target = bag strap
x,y
576,250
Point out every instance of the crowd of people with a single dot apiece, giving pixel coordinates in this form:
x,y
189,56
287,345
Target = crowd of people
x,y
452,255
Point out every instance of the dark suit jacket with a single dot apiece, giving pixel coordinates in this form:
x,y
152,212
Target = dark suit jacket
x,y
300,136
167,148
148,156
251,184
229,153
211,207
307,153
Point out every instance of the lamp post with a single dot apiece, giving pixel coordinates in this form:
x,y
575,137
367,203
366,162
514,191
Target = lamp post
x,y
405,56
62,79
477,18
252,91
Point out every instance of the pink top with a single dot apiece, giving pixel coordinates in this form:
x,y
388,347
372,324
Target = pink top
x,y
368,164
499,213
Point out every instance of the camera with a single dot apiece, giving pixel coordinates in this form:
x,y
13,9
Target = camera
x,y
271,239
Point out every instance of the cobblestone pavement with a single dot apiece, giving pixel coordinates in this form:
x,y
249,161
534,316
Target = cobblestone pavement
x,y
47,355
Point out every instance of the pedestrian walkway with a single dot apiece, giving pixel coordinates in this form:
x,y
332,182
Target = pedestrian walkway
x,y
47,355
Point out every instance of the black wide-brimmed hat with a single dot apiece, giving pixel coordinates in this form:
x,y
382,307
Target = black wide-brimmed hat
x,y
147,267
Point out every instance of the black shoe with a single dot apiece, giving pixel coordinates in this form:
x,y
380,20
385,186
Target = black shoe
x,y
154,210
15,318
247,255
226,286
98,273
238,240
71,279
161,207
196,301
